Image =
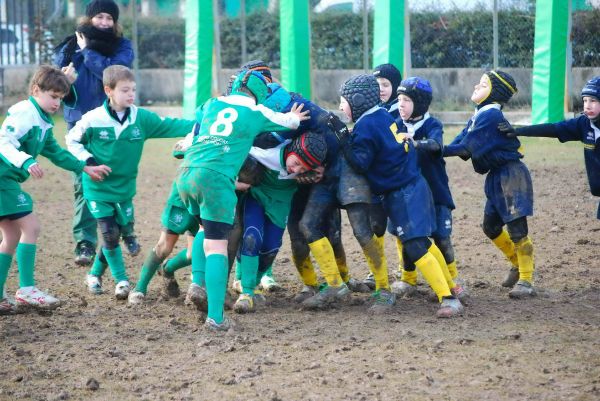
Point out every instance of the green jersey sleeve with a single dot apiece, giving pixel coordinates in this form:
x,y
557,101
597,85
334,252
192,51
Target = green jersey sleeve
x,y
59,156
154,126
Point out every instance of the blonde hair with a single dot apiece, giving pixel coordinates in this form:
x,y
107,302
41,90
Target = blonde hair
x,y
49,78
116,73
117,28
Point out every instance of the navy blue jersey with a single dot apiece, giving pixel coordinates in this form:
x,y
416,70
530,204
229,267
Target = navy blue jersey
x,y
432,165
489,148
582,129
387,159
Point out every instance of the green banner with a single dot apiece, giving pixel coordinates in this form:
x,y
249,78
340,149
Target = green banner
x,y
295,46
197,79
549,61
388,35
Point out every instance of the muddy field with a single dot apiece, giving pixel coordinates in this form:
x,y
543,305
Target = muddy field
x,y
96,348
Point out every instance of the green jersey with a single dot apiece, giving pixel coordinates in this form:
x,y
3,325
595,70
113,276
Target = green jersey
x,y
99,135
277,188
26,133
227,129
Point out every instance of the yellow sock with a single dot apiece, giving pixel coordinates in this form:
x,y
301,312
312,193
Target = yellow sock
x,y
453,270
409,277
343,268
400,257
525,255
323,253
377,263
432,272
306,270
439,256
505,244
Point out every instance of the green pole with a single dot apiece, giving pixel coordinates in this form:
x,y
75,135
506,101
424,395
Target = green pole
x,y
388,35
549,61
197,78
295,46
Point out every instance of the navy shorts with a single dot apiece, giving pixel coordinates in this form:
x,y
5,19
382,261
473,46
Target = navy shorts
x,y
410,211
443,219
509,192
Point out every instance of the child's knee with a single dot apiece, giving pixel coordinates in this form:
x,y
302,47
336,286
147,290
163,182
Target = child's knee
x,y
252,242
110,232
517,229
492,227
416,248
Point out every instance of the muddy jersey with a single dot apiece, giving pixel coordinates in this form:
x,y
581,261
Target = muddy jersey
x,y
277,188
26,133
118,145
228,127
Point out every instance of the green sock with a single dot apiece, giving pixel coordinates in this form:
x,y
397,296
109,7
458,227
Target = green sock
x,y
149,267
114,257
216,285
99,267
198,259
177,262
249,268
5,262
238,270
26,264
267,273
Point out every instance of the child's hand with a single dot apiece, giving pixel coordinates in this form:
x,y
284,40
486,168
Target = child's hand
x,y
81,40
311,177
70,72
297,110
341,131
242,186
97,173
35,171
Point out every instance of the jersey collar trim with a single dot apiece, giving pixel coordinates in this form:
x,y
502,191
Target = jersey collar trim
x,y
45,116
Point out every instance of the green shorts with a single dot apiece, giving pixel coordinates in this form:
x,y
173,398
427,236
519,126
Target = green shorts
x,y
14,201
122,211
207,193
178,220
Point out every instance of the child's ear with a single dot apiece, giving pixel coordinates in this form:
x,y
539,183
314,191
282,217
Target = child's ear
x,y
35,90
107,91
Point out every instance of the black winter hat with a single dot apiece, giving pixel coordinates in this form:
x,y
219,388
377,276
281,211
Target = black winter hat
x,y
362,93
420,92
311,148
503,87
389,72
102,6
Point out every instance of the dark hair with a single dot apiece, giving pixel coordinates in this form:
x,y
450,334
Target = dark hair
x,y
49,78
117,28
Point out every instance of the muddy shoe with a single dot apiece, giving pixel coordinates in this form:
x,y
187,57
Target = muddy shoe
x,y
170,285
35,298
236,286
260,300
7,307
355,285
226,325
306,292
369,281
122,289
269,284
450,307
136,298
403,289
511,278
196,296
461,293
384,301
132,245
94,284
244,304
522,290
327,297
84,253
229,301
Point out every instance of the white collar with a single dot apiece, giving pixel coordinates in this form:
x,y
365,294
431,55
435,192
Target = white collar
x,y
412,128
370,111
